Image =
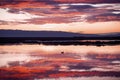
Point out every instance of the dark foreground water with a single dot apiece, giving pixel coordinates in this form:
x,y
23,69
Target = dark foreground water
x,y
59,62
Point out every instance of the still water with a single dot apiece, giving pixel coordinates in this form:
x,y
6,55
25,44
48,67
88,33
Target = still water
x,y
57,62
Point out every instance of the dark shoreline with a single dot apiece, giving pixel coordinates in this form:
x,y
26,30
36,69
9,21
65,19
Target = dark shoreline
x,y
60,40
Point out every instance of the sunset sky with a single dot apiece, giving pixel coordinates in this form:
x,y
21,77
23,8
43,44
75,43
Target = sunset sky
x,y
59,39
86,16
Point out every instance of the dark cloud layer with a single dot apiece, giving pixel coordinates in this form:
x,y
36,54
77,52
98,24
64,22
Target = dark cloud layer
x,y
104,17
4,2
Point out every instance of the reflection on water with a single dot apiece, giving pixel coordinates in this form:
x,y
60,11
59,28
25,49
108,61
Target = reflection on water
x,y
83,78
37,62
5,59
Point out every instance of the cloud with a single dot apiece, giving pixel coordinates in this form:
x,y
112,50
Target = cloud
x,y
25,4
80,7
58,11
26,73
80,66
14,2
20,17
8,58
64,17
87,1
82,78
104,17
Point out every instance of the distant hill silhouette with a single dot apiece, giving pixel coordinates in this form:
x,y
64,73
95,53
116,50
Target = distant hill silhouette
x,y
20,33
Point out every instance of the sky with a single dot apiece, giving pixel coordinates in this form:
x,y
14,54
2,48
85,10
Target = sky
x,y
29,62
86,16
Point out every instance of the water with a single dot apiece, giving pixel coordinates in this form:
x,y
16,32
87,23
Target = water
x,y
83,78
59,62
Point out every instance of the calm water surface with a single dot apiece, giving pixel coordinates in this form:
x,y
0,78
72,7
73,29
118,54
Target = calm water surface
x,y
46,62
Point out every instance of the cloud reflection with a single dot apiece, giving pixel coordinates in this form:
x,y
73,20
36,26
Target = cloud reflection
x,y
5,59
40,61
